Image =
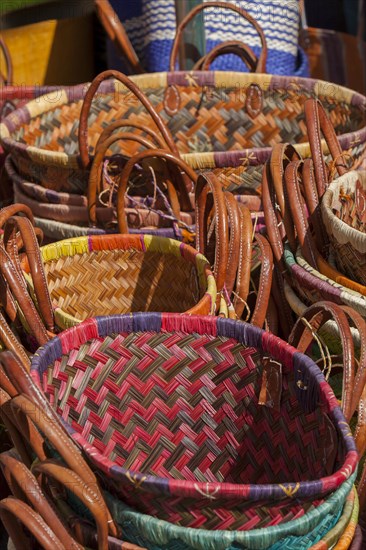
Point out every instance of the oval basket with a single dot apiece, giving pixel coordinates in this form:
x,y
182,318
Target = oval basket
x,y
215,127
111,274
187,440
344,216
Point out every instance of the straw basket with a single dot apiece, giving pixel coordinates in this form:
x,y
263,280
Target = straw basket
x,y
344,217
197,443
225,122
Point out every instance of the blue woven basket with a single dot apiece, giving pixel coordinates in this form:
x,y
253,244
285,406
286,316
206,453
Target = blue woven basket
x,y
151,26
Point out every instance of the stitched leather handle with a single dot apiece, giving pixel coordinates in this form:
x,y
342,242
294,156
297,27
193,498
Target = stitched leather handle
x,y
83,124
244,265
10,342
209,200
24,486
244,52
265,282
178,183
23,225
8,79
261,68
91,499
302,335
117,124
117,34
234,218
13,512
16,209
317,123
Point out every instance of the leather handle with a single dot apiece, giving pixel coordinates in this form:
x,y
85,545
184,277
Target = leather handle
x,y
244,52
262,61
317,123
234,217
97,167
244,265
265,282
83,124
117,124
33,254
13,512
117,34
16,209
24,486
178,183
84,492
8,79
8,339
209,198
302,335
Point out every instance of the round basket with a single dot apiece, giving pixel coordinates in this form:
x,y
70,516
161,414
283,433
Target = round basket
x,y
112,274
183,423
225,122
344,217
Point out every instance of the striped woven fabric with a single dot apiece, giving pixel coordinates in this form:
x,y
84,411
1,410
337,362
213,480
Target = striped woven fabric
x,y
168,405
151,27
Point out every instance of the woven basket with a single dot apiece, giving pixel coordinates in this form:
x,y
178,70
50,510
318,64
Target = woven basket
x,y
111,274
344,217
198,440
216,126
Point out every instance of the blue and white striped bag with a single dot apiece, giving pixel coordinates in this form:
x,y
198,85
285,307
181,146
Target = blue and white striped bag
x,y
151,26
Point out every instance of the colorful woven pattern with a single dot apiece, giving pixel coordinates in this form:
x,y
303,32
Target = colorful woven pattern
x,y
111,274
168,406
214,128
344,216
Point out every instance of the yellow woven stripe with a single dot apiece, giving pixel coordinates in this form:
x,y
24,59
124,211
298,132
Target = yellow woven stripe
x,y
241,80
200,161
333,91
55,158
4,132
47,102
161,244
155,80
69,247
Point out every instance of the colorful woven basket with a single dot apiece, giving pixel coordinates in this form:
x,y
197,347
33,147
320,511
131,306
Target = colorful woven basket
x,y
199,442
225,122
344,216
111,274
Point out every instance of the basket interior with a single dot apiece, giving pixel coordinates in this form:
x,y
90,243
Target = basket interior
x,y
109,282
214,121
186,407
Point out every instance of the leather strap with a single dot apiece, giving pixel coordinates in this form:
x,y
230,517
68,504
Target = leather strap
x,y
302,335
117,34
234,217
92,499
278,292
117,124
261,68
245,262
84,114
10,342
13,511
310,194
8,79
33,254
317,122
178,183
265,282
13,430
24,487
209,198
235,47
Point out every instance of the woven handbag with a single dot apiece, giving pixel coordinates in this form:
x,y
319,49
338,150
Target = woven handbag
x,y
344,217
23,415
185,497
226,122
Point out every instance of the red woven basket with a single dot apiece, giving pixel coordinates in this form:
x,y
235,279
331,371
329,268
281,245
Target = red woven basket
x,y
204,422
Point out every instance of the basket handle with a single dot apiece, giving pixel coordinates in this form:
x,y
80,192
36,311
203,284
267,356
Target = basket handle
x,y
8,79
16,209
117,124
85,109
265,282
275,203
261,67
209,197
13,512
33,255
244,265
117,34
303,334
317,122
8,339
178,183
234,218
24,487
235,47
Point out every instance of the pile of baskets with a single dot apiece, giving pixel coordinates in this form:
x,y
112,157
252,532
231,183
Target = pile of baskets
x,y
183,312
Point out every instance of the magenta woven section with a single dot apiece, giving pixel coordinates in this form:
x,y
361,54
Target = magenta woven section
x,y
185,407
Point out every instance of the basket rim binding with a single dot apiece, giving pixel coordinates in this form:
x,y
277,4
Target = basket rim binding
x,y
245,334
253,156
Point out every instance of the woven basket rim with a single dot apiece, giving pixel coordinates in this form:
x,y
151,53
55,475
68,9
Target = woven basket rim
x,y
245,334
342,232
182,78
219,539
